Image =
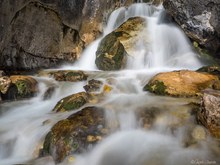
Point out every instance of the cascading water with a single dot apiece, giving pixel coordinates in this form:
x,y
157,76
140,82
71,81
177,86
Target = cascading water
x,y
24,124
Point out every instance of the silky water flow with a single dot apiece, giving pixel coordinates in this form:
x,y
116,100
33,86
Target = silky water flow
x,y
161,47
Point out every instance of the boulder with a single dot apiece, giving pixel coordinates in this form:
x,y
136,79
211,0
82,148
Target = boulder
x,y
64,28
112,51
71,102
199,20
18,87
65,75
76,134
183,83
209,113
110,54
129,33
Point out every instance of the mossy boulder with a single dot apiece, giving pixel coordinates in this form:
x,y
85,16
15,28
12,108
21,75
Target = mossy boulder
x,y
110,54
18,87
183,83
130,32
65,75
75,134
71,102
209,112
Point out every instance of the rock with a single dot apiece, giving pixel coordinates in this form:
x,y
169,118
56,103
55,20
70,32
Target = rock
x,y
49,92
199,133
93,86
71,102
183,83
65,75
5,83
64,28
215,70
129,33
19,87
199,20
2,73
209,113
76,134
111,53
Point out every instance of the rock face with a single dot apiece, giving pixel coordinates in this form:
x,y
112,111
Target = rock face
x,y
42,33
71,102
75,134
17,87
200,21
112,51
182,83
209,114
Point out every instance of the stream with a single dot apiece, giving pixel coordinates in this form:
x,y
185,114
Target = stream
x,y
162,47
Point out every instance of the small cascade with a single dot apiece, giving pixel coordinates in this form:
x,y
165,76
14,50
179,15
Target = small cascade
x,y
161,45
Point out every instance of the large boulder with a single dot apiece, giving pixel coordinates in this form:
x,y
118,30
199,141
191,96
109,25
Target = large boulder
x,y
76,134
112,51
209,113
17,87
64,28
199,20
183,83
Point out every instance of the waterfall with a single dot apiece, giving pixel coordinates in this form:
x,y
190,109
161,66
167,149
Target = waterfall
x,y
25,123
167,46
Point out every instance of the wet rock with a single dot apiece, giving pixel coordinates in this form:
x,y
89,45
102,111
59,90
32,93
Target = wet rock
x,y
93,86
18,87
49,92
5,83
209,113
130,32
65,75
110,54
182,83
199,20
112,51
215,70
76,134
71,102
66,28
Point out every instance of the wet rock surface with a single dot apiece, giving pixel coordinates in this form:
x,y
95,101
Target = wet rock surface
x,y
71,102
113,49
18,87
182,83
76,134
65,75
199,20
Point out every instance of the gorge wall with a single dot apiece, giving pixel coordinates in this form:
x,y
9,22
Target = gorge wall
x,y
45,33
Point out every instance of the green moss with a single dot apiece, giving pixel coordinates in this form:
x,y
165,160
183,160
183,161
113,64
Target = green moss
x,y
156,87
23,88
75,104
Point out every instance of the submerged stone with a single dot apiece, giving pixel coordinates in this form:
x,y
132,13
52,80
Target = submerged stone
x,y
76,134
71,102
183,83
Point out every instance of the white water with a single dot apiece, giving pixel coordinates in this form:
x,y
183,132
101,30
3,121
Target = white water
x,y
24,124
